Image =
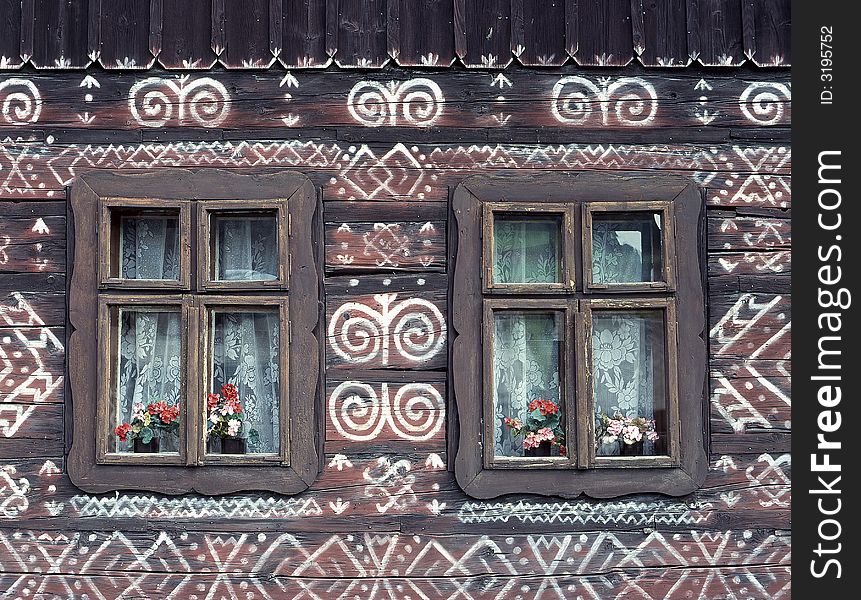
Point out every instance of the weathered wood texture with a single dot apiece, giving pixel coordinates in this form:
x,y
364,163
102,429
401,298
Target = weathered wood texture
x,y
486,34
385,516
568,98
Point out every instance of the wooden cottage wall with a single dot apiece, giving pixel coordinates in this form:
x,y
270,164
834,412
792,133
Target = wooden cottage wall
x,y
385,518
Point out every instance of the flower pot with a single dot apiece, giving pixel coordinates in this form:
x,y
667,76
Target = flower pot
x,y
635,449
609,448
150,448
226,445
543,449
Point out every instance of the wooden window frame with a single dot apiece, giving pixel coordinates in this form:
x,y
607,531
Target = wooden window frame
x,y
668,251
684,468
205,211
566,250
107,206
91,467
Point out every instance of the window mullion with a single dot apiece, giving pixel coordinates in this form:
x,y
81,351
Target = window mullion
x,y
583,398
193,385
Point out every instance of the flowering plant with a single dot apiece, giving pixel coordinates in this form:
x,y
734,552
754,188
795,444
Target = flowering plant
x,y
148,420
543,424
629,430
225,416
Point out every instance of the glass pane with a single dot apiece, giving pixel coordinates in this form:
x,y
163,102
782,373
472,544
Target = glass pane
x,y
526,250
149,247
630,383
528,415
245,246
147,410
626,247
243,408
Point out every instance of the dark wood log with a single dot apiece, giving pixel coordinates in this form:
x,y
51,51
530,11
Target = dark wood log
x,y
718,32
425,32
362,34
750,400
61,34
186,35
482,33
10,34
538,33
751,442
749,233
771,22
605,33
750,263
665,39
29,244
125,35
750,325
31,430
381,246
303,33
246,35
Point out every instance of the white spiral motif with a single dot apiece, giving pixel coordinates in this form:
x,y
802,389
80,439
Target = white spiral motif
x,y
359,334
20,101
204,101
762,103
416,413
627,101
419,102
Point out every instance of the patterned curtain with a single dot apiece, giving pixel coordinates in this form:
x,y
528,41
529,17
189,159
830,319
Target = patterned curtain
x,y
525,368
525,251
246,353
150,248
246,248
149,365
616,253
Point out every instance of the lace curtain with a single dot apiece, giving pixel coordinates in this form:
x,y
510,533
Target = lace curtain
x,y
626,349
150,248
525,368
525,251
149,365
622,250
246,248
246,353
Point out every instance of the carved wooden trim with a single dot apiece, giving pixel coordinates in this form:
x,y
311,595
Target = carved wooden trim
x,y
297,467
684,470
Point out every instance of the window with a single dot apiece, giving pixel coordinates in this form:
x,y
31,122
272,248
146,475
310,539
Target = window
x,y
578,300
193,306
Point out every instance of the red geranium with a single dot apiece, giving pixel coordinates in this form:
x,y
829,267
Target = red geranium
x,y
545,407
122,431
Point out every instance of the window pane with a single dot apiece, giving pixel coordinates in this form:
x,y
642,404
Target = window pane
x,y
526,360
526,250
246,358
149,247
147,409
245,246
630,383
626,248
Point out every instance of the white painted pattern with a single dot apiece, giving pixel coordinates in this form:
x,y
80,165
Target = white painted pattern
x,y
193,507
20,101
204,100
358,413
415,327
628,101
391,481
417,102
28,343
629,513
763,103
13,493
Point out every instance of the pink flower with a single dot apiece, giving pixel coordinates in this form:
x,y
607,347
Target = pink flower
x,y
513,423
233,426
632,434
652,436
531,441
545,434
615,426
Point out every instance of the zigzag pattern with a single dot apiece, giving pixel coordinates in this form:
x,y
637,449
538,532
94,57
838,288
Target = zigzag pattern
x,y
194,507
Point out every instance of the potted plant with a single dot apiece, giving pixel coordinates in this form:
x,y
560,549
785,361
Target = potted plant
x,y
148,424
542,429
620,435
226,422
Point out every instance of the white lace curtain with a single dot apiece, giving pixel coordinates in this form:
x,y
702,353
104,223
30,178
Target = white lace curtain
x,y
246,248
246,353
525,368
150,248
525,251
150,366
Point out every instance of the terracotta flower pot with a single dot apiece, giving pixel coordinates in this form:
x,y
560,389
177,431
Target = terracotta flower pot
x,y
150,448
226,445
543,449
